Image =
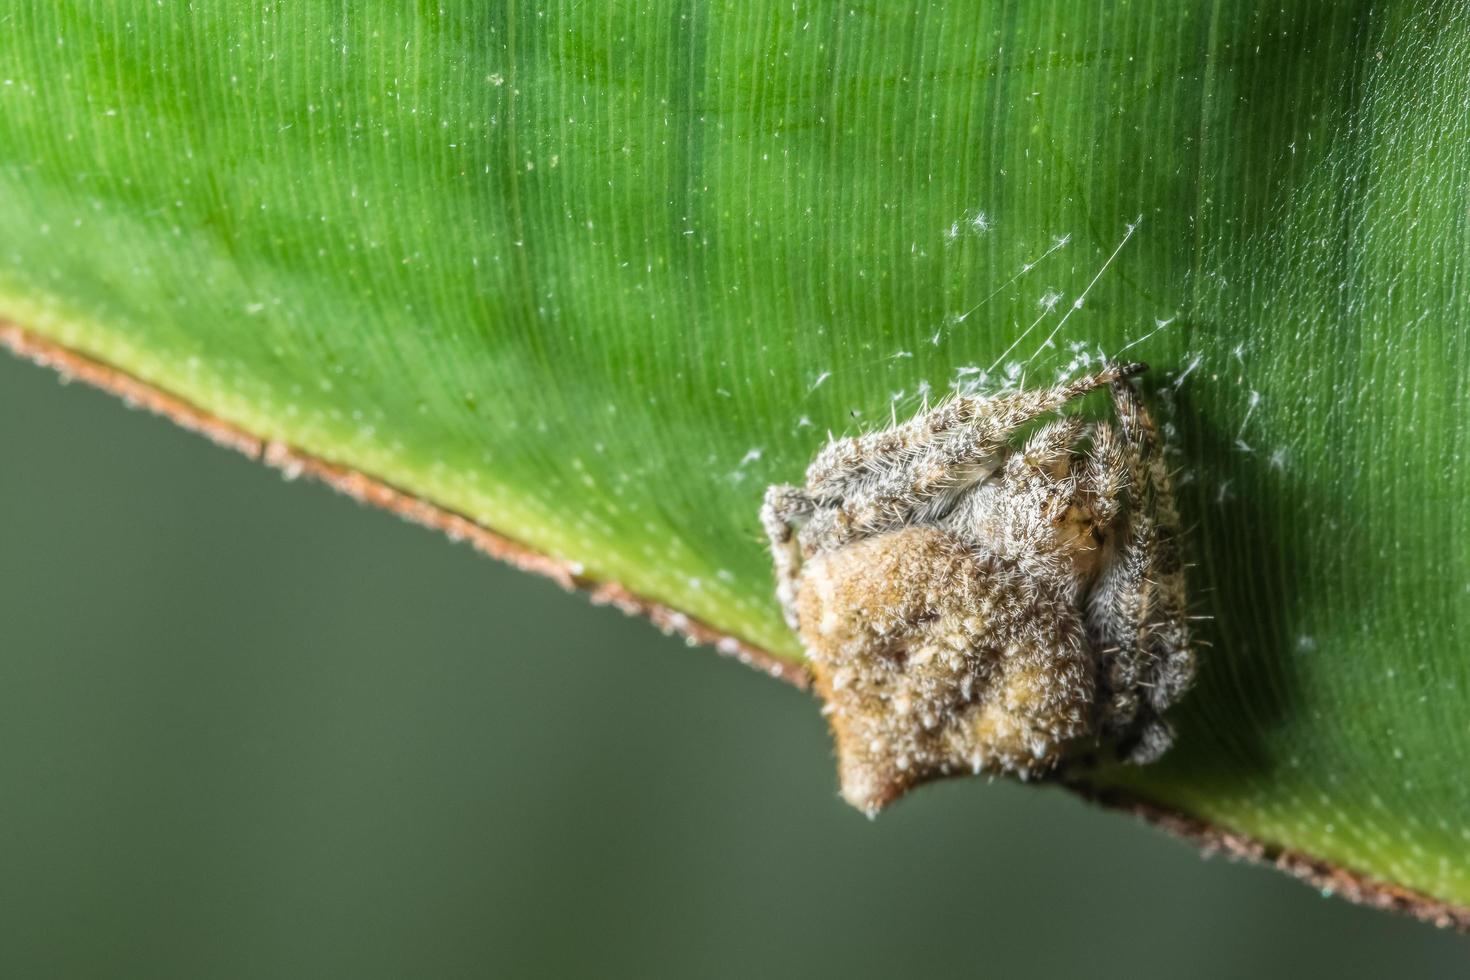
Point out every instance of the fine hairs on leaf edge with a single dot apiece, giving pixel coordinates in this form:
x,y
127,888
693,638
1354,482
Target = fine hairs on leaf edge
x,y
1322,875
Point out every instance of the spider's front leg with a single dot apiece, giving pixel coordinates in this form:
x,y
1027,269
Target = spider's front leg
x,y
1047,455
1104,477
1138,610
785,511
915,472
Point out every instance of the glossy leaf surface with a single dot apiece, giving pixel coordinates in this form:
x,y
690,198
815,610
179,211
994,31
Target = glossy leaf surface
x,y
593,274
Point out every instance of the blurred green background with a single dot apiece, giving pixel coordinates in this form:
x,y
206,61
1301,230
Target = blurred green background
x,y
250,729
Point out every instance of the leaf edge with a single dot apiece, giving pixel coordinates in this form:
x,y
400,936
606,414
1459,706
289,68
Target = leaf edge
x,y
1324,876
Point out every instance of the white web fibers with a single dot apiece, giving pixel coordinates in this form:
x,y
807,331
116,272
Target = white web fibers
x,y
1055,309
1007,374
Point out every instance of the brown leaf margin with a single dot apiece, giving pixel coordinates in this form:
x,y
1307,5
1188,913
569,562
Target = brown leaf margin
x,y
1325,877
376,493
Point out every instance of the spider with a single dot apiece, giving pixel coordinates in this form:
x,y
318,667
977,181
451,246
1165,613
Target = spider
x,y
973,605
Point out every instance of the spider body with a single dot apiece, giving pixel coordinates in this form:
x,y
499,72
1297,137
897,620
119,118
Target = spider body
x,y
973,605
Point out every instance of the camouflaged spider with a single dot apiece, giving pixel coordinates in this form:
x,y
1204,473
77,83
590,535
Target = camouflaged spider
x,y
972,606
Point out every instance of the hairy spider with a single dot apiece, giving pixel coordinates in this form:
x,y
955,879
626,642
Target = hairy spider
x,y
971,605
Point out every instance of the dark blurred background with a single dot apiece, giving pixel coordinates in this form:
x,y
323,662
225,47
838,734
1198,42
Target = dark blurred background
x,y
251,729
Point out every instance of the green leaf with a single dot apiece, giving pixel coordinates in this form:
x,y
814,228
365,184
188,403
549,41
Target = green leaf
x,y
593,274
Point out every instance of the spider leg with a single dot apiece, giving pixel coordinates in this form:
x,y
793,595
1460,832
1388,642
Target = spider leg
x,y
983,424
785,511
1048,452
1138,611
1103,475
886,479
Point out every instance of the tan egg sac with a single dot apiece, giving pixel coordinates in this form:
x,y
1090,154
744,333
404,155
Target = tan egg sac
x,y
930,662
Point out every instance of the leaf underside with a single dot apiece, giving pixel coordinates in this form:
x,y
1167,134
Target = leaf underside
x,y
592,275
